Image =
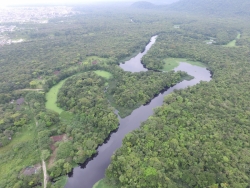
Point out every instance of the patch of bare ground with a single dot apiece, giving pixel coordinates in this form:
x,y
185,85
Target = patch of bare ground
x,y
55,139
30,170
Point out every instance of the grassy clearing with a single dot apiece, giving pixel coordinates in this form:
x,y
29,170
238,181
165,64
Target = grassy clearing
x,y
66,115
26,134
20,153
104,74
51,97
102,184
233,42
171,63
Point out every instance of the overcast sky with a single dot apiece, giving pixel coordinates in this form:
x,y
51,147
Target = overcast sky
x,y
21,2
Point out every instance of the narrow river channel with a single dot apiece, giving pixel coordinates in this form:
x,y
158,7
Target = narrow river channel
x,y
87,176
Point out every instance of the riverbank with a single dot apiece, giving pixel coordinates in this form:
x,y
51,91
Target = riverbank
x,y
172,63
135,53
103,184
126,111
192,70
95,168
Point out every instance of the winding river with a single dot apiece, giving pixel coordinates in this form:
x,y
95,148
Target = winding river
x,y
94,170
134,64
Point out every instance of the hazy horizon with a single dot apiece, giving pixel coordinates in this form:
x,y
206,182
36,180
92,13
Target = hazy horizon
x,y
68,2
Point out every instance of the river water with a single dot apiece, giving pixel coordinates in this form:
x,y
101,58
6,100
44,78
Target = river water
x,y
94,170
134,64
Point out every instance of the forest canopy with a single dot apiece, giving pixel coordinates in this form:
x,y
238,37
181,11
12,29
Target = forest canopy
x,y
198,138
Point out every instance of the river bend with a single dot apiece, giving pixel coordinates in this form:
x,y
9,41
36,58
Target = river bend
x,y
87,176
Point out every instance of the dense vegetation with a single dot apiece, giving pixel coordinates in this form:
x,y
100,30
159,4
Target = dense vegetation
x,y
84,95
173,45
198,138
128,91
190,142
88,120
20,158
59,45
89,116
184,42
54,53
71,137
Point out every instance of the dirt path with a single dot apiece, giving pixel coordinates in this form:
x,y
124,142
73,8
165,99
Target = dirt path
x,y
44,174
45,177
30,89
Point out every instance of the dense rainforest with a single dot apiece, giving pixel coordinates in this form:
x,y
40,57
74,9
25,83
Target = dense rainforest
x,y
128,91
30,132
88,120
198,138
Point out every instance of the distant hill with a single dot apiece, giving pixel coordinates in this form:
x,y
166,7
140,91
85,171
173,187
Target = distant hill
x,y
217,7
162,2
143,5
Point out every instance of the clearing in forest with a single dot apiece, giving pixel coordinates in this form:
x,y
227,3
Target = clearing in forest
x,y
20,153
57,138
51,97
104,74
233,42
171,63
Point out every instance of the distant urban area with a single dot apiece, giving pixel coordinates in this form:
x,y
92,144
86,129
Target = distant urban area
x,y
10,17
